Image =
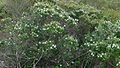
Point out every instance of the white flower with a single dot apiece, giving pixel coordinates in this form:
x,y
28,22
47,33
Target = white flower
x,y
54,46
60,65
44,29
51,47
118,64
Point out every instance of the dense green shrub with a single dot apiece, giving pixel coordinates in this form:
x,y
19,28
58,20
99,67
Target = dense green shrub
x,y
104,43
61,34
44,36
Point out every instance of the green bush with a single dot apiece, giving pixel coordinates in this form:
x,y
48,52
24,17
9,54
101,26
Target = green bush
x,y
43,36
104,43
59,34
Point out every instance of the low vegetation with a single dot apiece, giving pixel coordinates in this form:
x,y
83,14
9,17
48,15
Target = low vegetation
x,y
59,34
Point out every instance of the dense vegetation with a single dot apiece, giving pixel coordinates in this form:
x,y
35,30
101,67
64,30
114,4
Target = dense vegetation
x,y
59,33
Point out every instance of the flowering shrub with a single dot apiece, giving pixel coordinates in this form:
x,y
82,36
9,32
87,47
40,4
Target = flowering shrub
x,y
104,43
43,36
49,35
